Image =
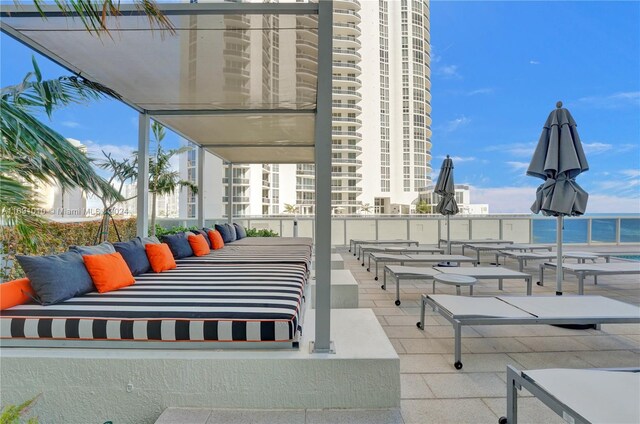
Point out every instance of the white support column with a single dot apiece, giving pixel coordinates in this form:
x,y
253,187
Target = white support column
x,y
201,153
143,175
322,343
230,196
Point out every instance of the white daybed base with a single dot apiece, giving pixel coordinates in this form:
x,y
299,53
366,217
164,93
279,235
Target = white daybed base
x,y
481,247
605,395
526,310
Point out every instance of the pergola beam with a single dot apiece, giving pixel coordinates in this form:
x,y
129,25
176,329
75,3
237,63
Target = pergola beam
x,y
322,343
225,112
144,124
187,9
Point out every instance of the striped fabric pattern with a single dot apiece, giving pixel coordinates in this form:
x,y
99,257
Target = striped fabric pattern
x,y
253,255
195,302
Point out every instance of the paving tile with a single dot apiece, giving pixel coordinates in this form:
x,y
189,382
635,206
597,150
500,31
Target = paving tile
x,y
494,344
447,411
429,345
530,410
466,385
611,359
415,387
552,344
423,363
541,360
184,416
233,416
341,416
607,342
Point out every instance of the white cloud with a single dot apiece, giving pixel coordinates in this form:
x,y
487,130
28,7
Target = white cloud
x,y
448,71
518,166
631,173
596,148
514,149
612,101
520,199
455,124
458,158
70,124
486,90
118,152
534,62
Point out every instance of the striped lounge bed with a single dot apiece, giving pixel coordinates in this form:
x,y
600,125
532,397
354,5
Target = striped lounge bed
x,y
231,254
193,306
274,242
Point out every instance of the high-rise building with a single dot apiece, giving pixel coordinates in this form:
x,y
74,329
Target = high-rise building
x,y
381,134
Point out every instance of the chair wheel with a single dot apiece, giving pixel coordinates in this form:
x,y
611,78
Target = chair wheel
x,y
398,302
369,269
383,287
419,325
539,283
458,365
362,264
502,420
376,278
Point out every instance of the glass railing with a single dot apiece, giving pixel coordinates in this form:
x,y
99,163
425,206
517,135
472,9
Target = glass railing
x,y
428,229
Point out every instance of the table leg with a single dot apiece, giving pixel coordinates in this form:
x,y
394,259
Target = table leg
x,y
478,256
471,290
529,286
434,286
376,271
580,283
369,265
512,397
595,280
520,264
397,291
384,279
499,283
458,290
423,304
457,330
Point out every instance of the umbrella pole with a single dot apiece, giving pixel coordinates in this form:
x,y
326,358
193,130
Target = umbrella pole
x,y
559,270
448,236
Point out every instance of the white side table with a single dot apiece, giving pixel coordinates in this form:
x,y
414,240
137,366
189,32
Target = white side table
x,y
455,280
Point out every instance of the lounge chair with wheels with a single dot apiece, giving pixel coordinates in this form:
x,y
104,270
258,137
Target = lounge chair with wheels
x,y
378,258
490,273
525,310
578,395
355,243
480,247
367,249
594,269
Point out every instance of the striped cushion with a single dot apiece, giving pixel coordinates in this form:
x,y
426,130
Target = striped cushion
x,y
253,254
256,303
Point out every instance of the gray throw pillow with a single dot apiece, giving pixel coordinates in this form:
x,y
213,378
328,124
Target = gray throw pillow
x,y
149,240
58,277
99,249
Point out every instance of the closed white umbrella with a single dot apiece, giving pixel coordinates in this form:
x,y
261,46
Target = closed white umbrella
x,y
558,159
447,190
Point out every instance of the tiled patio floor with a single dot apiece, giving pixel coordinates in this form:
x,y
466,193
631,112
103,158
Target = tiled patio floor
x,y
434,392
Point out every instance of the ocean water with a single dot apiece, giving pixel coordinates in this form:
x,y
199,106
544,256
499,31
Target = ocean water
x,y
575,230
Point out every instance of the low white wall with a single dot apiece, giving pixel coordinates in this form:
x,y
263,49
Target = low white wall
x,y
136,385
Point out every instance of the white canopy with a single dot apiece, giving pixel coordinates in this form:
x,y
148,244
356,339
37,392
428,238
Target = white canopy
x,y
242,85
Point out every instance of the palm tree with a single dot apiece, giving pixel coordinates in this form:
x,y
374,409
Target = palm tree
x,y
293,209
365,208
162,179
32,152
94,13
423,207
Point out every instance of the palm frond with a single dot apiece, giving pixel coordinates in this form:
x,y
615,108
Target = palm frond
x,y
94,14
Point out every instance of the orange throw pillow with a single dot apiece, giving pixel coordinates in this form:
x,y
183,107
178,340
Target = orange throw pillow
x,y
160,257
216,239
109,271
13,293
199,245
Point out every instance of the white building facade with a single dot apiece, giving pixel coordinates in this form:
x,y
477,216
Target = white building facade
x,y
463,199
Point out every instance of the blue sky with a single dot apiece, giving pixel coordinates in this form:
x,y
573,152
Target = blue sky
x,y
498,69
